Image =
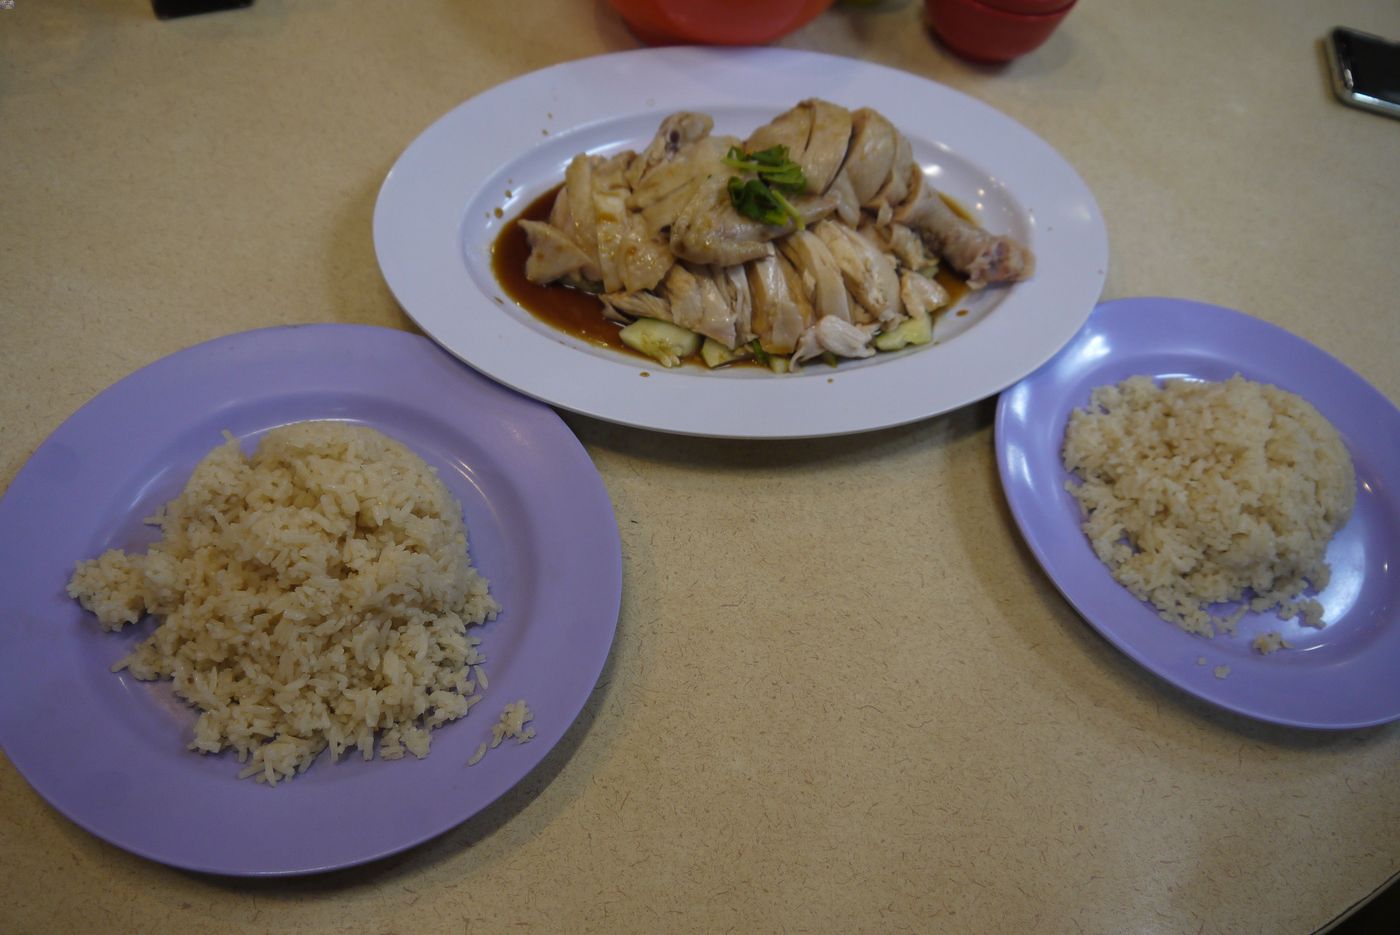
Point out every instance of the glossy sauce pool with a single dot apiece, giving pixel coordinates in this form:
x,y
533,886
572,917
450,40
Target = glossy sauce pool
x,y
580,314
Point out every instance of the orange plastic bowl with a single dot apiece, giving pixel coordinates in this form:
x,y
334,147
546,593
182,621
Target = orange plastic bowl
x,y
716,22
985,33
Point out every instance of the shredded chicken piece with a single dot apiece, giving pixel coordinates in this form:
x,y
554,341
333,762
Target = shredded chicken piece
x,y
832,334
636,305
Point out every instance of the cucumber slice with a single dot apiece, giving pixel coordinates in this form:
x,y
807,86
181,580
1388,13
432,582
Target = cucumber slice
x,y
715,354
665,342
910,331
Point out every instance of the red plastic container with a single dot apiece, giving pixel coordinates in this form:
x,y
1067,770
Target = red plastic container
x,y
989,31
716,22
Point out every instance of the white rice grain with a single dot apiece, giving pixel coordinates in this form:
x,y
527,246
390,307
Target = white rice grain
x,y
316,594
1204,493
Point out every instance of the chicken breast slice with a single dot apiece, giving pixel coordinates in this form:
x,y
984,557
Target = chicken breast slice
x,y
922,296
790,128
699,304
826,144
663,192
806,314
847,205
682,291
778,314
644,256
816,134
709,231
610,217
578,185
870,155
734,283
907,247
677,131
868,273
559,211
896,187
982,257
821,277
552,254
692,162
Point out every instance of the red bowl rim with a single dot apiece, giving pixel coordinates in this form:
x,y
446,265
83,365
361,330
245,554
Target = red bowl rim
x,y
1017,9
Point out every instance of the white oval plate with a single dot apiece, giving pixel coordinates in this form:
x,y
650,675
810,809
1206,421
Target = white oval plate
x,y
450,193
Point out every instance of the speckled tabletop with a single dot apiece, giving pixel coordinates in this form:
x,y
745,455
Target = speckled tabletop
x,y
863,749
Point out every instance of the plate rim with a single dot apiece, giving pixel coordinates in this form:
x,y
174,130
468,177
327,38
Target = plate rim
x,y
1216,692
901,390
22,498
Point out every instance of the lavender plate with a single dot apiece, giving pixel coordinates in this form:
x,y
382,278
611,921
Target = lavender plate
x,y
1343,676
109,751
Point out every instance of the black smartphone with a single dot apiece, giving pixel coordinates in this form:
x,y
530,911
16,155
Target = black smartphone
x,y
169,9
1365,70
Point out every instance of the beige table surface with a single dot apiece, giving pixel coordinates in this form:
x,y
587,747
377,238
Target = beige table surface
x,y
911,730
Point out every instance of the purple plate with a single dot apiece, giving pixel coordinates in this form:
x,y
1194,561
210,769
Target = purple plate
x,y
109,751
1343,676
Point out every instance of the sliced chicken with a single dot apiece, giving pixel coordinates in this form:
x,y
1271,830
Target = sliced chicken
x,y
870,155
659,234
845,339
699,304
644,256
834,336
816,134
869,275
689,165
826,145
922,296
578,185
683,293
710,231
807,347
559,212
847,204
790,128
675,133
660,215
610,217
806,314
907,247
552,254
628,305
734,283
821,277
779,316
896,187
982,257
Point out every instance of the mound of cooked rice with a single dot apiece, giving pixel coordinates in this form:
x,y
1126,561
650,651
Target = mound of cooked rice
x,y
1202,493
311,595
